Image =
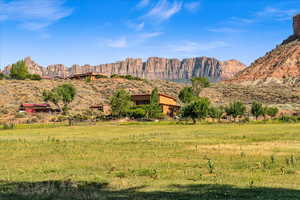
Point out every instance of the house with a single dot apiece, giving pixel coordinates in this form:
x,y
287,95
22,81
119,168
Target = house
x,y
105,108
168,104
35,108
89,75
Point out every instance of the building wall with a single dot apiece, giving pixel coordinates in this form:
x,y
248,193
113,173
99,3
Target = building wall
x,y
166,100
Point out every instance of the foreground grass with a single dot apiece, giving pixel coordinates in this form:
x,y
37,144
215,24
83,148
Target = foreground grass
x,y
151,161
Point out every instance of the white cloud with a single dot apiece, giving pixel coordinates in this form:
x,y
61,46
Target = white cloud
x,y
34,14
277,13
192,6
118,43
150,35
137,26
164,10
189,46
143,3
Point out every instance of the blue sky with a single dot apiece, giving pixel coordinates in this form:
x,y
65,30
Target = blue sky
x,y
103,31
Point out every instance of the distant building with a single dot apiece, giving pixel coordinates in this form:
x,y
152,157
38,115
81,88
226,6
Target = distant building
x,y
90,75
35,108
105,108
168,104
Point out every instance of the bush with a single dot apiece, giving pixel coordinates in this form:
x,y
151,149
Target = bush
x,y
137,113
35,77
20,115
101,76
289,119
272,111
7,126
128,77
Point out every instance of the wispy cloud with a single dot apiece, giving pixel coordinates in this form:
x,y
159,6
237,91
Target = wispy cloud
x,y
117,43
136,26
164,10
192,6
225,30
143,3
190,47
34,14
277,13
150,35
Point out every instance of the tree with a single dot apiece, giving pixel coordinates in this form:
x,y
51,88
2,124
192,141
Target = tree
x,y
198,83
236,109
153,110
2,76
19,71
187,95
216,112
64,93
198,109
272,111
120,103
257,109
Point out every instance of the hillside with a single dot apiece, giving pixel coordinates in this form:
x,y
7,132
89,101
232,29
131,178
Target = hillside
x,y
281,63
154,68
14,93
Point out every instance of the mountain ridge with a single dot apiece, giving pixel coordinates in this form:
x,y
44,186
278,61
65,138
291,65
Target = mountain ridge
x,y
153,68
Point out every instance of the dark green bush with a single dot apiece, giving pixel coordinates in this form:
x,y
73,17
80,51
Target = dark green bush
x,y
137,113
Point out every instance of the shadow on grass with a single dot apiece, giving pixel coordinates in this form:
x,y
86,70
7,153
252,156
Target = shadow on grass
x,y
67,190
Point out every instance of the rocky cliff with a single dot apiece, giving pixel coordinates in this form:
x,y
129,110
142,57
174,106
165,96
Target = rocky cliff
x,y
280,63
153,68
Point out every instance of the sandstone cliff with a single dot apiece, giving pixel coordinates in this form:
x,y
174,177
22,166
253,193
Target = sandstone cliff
x,y
154,68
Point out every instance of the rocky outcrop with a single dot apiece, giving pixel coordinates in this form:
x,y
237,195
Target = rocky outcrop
x,y
230,68
280,63
296,25
153,68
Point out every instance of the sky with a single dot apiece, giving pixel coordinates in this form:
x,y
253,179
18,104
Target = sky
x,y
104,31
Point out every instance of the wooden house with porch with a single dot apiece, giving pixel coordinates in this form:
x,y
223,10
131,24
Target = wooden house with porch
x,y
168,104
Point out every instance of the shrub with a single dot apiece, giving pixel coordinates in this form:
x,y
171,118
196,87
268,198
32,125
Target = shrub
x,y
7,126
20,114
145,172
137,113
35,77
128,77
216,112
101,76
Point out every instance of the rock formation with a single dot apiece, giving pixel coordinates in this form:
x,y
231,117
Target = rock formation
x,y
296,25
153,68
280,63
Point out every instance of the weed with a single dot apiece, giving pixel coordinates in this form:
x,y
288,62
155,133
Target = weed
x,y
210,166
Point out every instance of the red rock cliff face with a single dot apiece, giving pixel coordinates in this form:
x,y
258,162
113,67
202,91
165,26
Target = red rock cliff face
x,y
280,63
153,68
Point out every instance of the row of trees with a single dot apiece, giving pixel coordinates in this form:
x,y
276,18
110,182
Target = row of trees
x,y
19,71
200,108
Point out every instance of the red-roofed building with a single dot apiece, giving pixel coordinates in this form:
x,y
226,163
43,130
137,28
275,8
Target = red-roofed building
x,y
35,108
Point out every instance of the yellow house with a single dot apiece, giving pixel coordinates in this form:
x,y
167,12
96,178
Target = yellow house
x,y
168,104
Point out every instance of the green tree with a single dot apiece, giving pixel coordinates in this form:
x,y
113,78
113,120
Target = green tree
x,y
120,103
187,95
236,109
64,93
198,83
216,112
272,111
19,71
198,109
2,76
257,109
153,110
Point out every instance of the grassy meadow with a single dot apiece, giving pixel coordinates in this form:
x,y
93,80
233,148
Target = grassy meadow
x,y
149,161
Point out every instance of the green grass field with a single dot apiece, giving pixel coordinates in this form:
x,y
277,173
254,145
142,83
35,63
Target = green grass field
x,y
149,161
